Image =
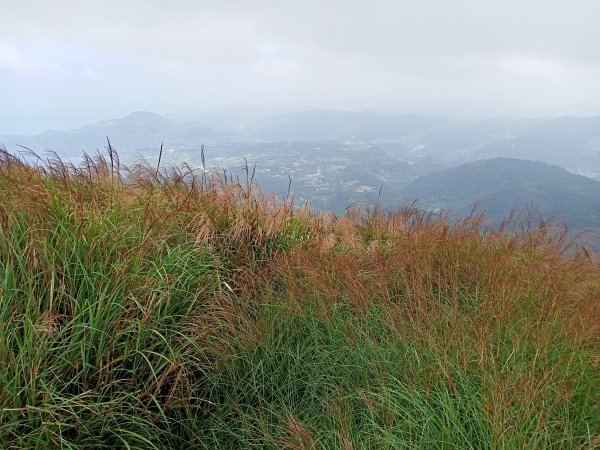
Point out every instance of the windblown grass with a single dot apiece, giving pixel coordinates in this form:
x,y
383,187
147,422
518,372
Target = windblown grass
x,y
155,308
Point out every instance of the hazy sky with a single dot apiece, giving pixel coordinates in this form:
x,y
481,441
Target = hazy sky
x,y
65,63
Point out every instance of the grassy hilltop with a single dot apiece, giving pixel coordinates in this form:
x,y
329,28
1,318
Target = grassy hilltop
x,y
179,309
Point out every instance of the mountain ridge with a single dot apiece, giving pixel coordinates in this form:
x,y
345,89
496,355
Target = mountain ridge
x,y
501,184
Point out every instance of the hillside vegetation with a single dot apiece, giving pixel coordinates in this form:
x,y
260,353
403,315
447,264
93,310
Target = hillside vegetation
x,y
500,184
150,308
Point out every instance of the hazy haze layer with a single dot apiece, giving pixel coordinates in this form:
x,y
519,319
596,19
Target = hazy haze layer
x,y
66,63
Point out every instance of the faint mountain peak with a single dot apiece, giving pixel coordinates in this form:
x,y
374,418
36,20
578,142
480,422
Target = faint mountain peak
x,y
145,117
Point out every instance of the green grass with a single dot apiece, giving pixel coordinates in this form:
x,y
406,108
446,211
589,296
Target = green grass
x,y
348,379
95,330
161,313
345,379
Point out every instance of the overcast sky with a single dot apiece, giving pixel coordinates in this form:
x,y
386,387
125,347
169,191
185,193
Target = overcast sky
x,y
65,63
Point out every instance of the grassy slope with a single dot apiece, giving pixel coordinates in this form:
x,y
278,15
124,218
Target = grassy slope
x,y
181,310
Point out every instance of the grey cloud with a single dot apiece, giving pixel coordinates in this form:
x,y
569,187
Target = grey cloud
x,y
464,57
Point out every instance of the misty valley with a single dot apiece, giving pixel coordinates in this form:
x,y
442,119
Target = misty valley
x,y
333,160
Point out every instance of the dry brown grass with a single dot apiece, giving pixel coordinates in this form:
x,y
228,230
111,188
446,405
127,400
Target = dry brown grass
x,y
477,297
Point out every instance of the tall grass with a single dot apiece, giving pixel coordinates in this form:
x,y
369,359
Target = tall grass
x,y
165,308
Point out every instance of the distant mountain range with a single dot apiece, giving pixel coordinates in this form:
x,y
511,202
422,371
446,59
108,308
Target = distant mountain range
x,y
572,143
335,158
139,132
568,142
